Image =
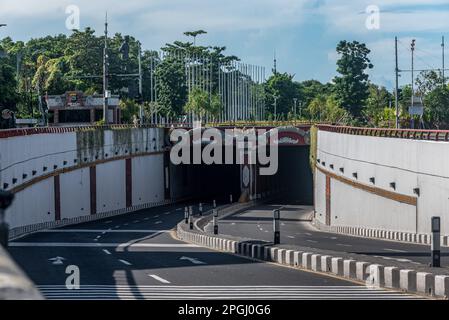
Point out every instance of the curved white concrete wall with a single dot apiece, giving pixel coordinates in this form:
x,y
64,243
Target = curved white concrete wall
x,y
409,164
69,176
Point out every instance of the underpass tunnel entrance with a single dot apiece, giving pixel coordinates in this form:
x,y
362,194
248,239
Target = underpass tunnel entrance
x,y
295,175
205,181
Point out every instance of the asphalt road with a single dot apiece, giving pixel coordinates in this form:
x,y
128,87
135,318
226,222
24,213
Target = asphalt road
x,y
257,223
136,256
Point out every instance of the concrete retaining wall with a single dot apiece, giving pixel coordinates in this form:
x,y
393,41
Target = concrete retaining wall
x,y
67,177
385,184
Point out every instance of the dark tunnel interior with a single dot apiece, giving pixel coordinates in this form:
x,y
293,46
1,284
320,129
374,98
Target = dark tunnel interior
x,y
218,181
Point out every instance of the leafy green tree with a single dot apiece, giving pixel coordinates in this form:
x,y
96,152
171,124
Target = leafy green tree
x,y
351,87
378,99
201,103
280,85
436,105
171,85
327,109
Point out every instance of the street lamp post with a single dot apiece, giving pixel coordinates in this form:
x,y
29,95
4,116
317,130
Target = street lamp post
x,y
275,106
295,101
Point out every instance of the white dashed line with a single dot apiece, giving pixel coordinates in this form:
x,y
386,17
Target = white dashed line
x,y
126,224
125,262
291,237
136,221
344,245
313,241
156,216
333,238
110,221
159,278
158,222
167,213
106,251
394,250
309,234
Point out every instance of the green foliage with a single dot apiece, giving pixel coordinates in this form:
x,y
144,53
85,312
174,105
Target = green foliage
x,y
201,103
129,110
280,85
171,86
351,87
377,103
436,106
327,109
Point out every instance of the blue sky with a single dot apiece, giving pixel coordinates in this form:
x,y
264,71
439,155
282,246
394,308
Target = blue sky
x,y
304,33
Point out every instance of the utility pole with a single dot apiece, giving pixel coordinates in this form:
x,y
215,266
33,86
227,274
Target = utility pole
x,y
295,101
275,107
413,79
442,49
396,89
140,85
105,73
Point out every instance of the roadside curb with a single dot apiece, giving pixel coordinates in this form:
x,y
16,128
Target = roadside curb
x,y
376,275
380,234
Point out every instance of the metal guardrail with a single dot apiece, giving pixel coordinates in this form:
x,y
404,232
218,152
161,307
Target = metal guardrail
x,y
432,135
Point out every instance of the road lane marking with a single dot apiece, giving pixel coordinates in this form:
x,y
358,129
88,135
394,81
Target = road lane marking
x,y
394,250
103,231
160,292
333,238
158,222
99,245
313,241
107,251
291,237
344,245
107,222
156,216
192,260
159,278
125,262
167,213
136,221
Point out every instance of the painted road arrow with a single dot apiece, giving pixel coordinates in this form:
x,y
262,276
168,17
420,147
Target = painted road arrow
x,y
192,260
57,260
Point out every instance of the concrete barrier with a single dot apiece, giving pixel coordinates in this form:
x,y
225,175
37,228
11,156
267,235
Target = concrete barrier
x,y
281,256
392,277
361,270
425,283
349,269
297,257
306,261
442,286
376,276
337,266
407,280
316,262
289,258
326,263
